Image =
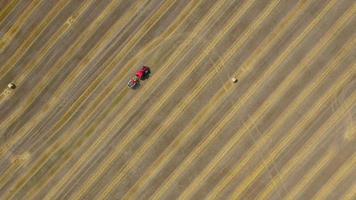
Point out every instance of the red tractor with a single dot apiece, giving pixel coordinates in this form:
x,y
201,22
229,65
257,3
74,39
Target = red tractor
x,y
142,74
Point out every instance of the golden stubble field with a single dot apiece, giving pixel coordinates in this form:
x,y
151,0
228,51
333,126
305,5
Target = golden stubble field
x,y
72,129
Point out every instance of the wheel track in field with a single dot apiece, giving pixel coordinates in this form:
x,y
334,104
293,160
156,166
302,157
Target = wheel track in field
x,y
283,175
13,141
15,28
6,11
229,116
346,170
127,20
33,64
186,43
288,139
205,113
7,145
67,120
87,91
239,190
350,194
172,90
202,83
166,7
55,146
310,175
33,36
242,163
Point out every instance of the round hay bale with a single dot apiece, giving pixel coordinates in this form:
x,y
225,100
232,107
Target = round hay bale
x,y
234,80
11,85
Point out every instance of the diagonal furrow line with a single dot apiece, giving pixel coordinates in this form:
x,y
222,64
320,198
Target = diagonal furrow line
x,y
185,102
283,175
345,170
15,28
198,29
89,58
202,115
33,64
227,119
350,194
290,166
6,175
3,95
320,135
170,92
32,37
12,141
84,96
5,12
106,133
95,105
237,192
165,7
112,32
286,141
186,13
91,27
282,88
280,120
57,145
310,175
73,108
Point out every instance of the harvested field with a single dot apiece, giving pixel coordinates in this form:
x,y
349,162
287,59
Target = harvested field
x,y
70,128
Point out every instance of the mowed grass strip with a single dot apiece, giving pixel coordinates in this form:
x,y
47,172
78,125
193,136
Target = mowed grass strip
x,y
203,115
129,20
32,37
178,111
185,102
286,141
257,115
32,65
6,11
110,68
346,170
96,104
266,137
240,189
55,146
14,140
310,175
215,131
283,175
350,194
67,83
92,111
208,49
6,40
297,128
170,61
89,90
188,9
7,174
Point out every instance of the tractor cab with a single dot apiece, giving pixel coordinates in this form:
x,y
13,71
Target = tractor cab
x,y
142,74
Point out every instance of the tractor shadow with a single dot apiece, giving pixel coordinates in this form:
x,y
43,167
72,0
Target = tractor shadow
x,y
146,77
137,86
